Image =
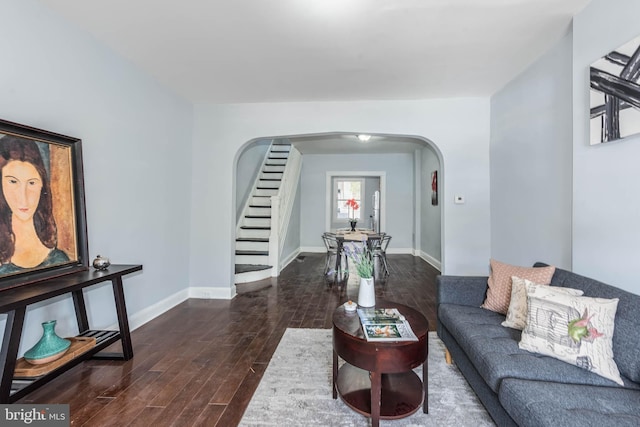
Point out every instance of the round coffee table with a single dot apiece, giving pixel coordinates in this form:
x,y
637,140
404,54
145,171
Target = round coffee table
x,y
377,379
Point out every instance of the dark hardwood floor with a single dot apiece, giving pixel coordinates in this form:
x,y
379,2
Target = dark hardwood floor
x,y
199,363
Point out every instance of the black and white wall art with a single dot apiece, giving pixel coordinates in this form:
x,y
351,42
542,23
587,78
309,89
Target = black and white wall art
x,y
615,94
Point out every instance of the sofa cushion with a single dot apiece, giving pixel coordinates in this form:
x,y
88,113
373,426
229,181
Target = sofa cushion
x,y
577,330
499,291
537,403
626,336
517,312
493,350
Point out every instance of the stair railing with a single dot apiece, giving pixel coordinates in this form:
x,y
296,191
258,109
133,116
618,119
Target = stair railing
x,y
281,207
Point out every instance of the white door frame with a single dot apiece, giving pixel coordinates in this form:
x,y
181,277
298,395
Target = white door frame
x,y
383,194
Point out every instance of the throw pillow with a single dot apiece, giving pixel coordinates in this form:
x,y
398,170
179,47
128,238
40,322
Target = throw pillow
x,y
499,291
574,329
517,312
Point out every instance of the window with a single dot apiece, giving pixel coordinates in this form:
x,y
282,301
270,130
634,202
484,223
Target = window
x,y
346,189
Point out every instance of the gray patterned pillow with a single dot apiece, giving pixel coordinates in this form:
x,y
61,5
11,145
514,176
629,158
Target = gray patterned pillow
x,y
576,330
517,312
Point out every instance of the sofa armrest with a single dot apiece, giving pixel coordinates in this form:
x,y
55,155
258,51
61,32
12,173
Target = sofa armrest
x,y
461,290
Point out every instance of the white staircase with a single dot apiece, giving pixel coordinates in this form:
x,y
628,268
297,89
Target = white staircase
x,y
253,250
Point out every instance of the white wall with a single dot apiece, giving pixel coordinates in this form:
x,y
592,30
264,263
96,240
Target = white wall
x,y
398,212
291,245
137,152
531,163
606,234
248,168
459,127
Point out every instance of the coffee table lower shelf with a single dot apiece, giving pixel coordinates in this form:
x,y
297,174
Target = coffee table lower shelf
x,y
401,394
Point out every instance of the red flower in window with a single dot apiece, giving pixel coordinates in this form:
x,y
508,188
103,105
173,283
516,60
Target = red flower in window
x,y
351,203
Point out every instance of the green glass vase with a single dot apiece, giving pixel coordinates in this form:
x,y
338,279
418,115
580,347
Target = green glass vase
x,y
50,347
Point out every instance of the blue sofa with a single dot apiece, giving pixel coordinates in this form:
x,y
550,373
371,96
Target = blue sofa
x,y
526,389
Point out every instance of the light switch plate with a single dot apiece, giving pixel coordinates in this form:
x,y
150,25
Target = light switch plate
x,y
459,200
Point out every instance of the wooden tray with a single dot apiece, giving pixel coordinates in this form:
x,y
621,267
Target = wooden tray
x,y
78,346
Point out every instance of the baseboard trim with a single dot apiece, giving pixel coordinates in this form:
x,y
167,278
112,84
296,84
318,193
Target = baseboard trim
x,y
203,292
315,249
149,313
320,249
431,260
402,251
287,261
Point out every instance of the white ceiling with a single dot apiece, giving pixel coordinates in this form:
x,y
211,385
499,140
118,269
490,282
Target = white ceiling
x,y
332,143
234,51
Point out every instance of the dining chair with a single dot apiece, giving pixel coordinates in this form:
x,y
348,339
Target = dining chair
x,y
380,250
333,252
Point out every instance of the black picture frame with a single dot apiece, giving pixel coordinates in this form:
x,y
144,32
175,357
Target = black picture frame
x,y
54,207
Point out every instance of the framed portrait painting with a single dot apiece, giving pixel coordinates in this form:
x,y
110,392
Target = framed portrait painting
x,y
42,205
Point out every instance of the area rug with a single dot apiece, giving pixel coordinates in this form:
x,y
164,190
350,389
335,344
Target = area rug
x,y
296,389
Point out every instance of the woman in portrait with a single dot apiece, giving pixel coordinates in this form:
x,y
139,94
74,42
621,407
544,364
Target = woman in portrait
x,y
28,233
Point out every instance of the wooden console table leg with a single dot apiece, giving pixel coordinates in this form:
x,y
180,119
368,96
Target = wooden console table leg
x,y
376,394
10,345
123,321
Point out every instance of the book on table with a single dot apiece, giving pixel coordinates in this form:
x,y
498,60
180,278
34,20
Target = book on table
x,y
385,324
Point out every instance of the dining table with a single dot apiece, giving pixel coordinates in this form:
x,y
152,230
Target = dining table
x,y
359,235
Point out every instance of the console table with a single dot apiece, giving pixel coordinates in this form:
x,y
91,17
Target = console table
x,y
14,302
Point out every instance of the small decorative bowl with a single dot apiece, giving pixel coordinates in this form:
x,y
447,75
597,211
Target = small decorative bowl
x,y
350,306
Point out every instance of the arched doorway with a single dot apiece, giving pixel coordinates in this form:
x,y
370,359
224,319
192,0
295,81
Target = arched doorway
x,y
407,164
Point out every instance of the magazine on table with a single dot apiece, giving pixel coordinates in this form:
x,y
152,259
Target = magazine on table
x,y
385,324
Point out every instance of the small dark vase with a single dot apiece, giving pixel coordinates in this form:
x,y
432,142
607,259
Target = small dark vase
x,y
353,225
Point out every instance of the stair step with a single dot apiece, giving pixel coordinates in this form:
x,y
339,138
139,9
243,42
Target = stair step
x,y
252,245
253,233
258,216
269,185
261,201
258,210
251,239
253,227
252,252
270,179
245,268
253,221
265,192
252,259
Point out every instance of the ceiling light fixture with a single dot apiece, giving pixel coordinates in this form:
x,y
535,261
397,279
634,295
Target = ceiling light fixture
x,y
364,138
